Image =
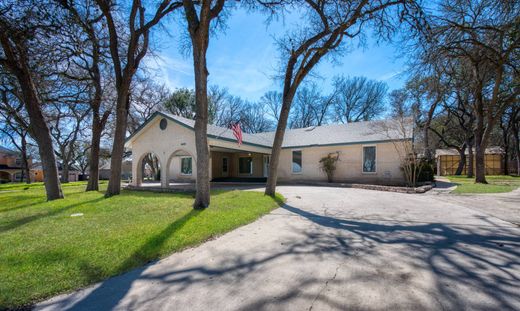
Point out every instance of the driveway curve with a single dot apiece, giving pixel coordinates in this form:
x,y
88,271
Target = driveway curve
x,y
332,249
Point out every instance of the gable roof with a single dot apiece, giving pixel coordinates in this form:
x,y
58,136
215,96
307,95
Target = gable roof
x,y
363,132
7,151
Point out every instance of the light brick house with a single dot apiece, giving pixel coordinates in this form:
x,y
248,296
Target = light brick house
x,y
367,154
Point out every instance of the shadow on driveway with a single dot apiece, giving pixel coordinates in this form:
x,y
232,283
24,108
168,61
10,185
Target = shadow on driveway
x,y
472,267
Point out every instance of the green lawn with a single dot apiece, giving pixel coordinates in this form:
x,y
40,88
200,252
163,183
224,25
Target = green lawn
x,y
45,251
496,184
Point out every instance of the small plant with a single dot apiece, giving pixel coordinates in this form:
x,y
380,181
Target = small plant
x,y
328,165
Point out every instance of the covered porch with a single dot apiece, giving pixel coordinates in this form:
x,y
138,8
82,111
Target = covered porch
x,y
233,165
176,169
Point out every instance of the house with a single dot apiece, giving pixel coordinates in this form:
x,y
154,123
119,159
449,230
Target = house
x,y
448,160
126,170
37,172
11,167
367,153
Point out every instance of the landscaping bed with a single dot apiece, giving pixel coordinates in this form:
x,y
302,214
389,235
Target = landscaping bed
x,y
400,189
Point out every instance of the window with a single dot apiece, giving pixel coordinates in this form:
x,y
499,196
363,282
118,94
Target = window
x,y
245,165
297,161
369,159
186,166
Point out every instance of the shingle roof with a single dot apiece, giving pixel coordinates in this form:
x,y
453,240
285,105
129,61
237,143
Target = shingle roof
x,y
8,151
334,134
338,134
226,133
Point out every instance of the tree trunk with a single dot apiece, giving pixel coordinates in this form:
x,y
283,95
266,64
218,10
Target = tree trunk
x,y
469,171
516,138
270,188
93,180
17,64
65,172
427,151
118,149
25,160
202,197
462,161
480,147
505,168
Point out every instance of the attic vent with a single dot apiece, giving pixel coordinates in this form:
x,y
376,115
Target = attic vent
x,y
163,124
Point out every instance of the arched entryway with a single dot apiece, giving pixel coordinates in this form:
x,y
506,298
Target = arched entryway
x,y
180,167
149,169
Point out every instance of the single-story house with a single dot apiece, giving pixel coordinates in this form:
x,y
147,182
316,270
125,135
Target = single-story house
x,y
126,170
367,151
37,171
448,161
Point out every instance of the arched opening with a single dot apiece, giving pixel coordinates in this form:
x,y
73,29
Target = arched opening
x,y
180,167
149,169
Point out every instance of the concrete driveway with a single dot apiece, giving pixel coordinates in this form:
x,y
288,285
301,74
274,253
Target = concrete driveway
x,y
333,249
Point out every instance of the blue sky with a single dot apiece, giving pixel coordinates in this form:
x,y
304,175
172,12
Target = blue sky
x,y
244,59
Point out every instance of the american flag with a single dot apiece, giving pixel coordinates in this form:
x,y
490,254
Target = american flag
x,y
237,131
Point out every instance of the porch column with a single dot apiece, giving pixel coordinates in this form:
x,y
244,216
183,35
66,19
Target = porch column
x,y
164,173
137,171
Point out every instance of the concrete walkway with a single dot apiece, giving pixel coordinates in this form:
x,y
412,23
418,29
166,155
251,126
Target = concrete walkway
x,y
332,249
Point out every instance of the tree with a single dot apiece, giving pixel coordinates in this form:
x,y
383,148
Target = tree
x,y
25,29
311,108
398,130
89,65
273,101
146,98
252,118
66,125
516,136
199,16
329,23
125,67
181,103
358,99
482,37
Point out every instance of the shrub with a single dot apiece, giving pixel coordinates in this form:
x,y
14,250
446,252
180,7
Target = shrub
x,y
328,165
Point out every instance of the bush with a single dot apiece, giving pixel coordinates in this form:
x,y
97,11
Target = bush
x,y
328,165
427,172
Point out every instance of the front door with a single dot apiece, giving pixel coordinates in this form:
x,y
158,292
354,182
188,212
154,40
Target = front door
x,y
266,165
225,167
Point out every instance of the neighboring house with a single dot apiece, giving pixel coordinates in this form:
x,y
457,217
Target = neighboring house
x,y
126,170
37,172
366,154
11,167
448,161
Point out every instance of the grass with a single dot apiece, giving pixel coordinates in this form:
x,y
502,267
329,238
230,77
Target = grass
x,y
496,184
44,251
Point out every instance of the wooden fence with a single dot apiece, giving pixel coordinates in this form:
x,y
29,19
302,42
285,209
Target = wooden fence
x,y
449,163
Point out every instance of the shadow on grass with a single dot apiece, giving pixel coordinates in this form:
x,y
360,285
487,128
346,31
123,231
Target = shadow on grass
x,y
25,220
480,259
149,251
